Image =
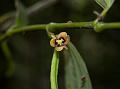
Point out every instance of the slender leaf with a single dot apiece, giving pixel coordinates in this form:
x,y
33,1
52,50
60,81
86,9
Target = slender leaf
x,y
105,3
54,70
109,3
76,74
101,3
21,16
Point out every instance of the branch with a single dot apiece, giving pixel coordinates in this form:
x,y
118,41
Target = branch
x,y
54,26
104,26
43,27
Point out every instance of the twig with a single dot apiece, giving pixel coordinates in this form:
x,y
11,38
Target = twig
x,y
97,27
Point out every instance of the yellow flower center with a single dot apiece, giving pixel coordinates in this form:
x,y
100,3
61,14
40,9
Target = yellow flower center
x,y
60,41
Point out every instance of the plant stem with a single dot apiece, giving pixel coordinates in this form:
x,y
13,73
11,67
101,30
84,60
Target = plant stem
x,y
105,26
8,56
44,26
54,26
103,13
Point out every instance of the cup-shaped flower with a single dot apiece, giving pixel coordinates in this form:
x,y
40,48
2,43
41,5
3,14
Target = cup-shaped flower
x,y
60,41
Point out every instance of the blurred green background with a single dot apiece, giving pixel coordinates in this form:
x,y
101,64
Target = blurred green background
x,y
32,54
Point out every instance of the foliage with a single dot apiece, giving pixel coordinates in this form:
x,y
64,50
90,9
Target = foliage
x,y
105,3
76,73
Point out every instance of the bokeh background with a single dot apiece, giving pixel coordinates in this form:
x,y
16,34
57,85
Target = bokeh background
x,y
32,54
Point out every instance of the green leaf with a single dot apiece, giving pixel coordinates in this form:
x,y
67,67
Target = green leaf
x,y
21,16
76,74
54,70
105,3
109,3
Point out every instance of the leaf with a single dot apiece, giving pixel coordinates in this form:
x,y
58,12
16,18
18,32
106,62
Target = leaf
x,y
21,16
54,70
76,74
109,2
105,3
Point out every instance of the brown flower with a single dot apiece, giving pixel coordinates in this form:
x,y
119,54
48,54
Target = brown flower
x,y
60,41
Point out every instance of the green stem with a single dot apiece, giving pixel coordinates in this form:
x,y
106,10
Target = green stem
x,y
110,25
44,26
8,56
98,27
103,13
104,26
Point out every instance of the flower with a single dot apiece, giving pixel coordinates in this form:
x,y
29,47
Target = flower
x,y
60,41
